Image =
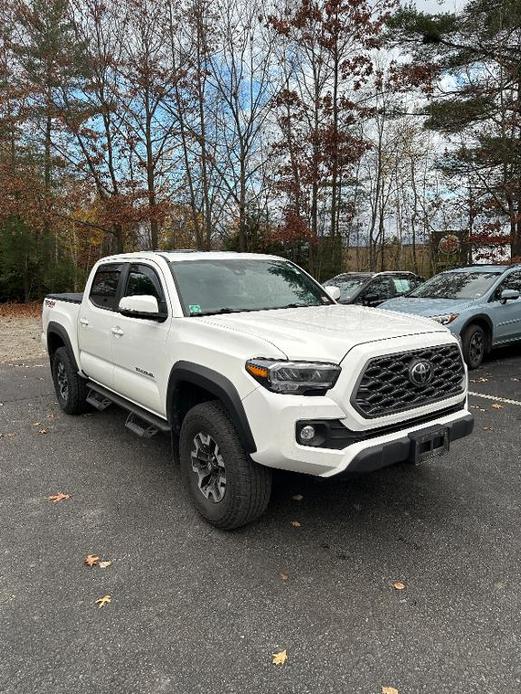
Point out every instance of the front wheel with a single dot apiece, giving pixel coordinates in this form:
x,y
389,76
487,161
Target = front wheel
x,y
69,386
227,487
474,345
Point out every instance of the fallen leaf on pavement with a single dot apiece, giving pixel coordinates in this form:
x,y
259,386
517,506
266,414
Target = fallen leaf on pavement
x,y
297,497
497,406
280,657
390,690
55,498
399,585
91,560
296,524
284,575
105,600
36,424
487,428
43,431
104,564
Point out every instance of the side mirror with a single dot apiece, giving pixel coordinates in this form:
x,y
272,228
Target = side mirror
x,y
140,306
334,292
509,295
371,298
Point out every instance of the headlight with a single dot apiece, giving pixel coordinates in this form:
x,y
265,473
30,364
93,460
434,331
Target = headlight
x,y
296,377
445,319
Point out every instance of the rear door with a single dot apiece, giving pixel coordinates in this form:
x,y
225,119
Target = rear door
x,y
507,317
96,321
140,362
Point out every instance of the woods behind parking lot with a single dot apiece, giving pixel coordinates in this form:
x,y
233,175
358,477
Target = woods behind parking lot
x,y
343,135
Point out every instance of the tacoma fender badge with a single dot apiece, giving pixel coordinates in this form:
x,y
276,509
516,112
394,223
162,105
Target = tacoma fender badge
x,y
145,373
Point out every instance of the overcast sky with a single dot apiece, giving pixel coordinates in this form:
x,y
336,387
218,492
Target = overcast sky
x,y
439,5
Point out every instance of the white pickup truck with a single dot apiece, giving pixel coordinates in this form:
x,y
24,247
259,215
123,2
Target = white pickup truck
x,y
250,365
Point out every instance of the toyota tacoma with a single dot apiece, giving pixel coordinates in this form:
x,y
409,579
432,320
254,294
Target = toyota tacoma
x,y
249,364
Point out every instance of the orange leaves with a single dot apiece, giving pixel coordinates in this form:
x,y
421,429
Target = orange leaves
x,y
91,560
279,657
56,498
95,560
399,585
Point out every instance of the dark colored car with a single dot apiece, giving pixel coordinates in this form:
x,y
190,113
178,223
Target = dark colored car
x,y
372,288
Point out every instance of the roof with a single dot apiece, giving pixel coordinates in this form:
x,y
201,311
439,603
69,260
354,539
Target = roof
x,y
482,268
186,254
373,274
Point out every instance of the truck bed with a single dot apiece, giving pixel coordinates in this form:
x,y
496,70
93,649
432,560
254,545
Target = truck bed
x,y
71,298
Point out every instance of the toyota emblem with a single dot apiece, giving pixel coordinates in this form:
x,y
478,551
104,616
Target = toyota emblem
x,y
420,372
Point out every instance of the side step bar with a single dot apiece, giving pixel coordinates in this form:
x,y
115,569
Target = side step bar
x,y
139,421
98,401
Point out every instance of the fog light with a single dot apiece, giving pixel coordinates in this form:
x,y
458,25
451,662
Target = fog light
x,y
307,433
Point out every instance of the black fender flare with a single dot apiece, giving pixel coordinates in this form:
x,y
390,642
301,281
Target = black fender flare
x,y
485,319
219,386
56,329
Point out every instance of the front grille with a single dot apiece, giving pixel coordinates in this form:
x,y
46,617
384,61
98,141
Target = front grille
x,y
386,388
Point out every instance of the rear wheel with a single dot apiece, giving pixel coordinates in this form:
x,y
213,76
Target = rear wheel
x,y
227,487
69,386
474,345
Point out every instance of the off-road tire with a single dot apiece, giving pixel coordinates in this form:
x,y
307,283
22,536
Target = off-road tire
x,y
248,485
474,341
74,401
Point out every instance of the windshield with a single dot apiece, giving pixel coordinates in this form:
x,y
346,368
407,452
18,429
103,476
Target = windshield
x,y
348,285
208,287
456,285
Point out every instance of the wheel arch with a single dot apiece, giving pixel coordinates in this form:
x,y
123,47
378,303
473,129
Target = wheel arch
x,y
484,322
57,337
190,384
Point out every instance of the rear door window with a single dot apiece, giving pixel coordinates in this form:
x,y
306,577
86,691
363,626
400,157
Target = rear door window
x,y
402,285
104,287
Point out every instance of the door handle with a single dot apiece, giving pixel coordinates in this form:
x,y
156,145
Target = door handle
x,y
117,332
84,321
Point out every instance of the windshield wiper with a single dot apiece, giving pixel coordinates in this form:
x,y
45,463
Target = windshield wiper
x,y
219,312
290,306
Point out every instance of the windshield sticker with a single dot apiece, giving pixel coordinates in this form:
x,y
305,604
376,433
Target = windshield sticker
x,y
194,308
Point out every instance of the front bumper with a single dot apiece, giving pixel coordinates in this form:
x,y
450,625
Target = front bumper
x,y
274,418
382,455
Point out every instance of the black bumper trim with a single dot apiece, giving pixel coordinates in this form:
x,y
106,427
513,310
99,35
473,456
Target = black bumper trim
x,y
398,451
333,434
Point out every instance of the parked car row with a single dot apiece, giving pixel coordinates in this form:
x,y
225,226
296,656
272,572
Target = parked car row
x,y
480,304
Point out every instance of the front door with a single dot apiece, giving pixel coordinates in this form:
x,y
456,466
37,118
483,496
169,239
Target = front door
x,y
140,345
507,316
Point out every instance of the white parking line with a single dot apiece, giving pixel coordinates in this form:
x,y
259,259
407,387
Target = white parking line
x,y
496,398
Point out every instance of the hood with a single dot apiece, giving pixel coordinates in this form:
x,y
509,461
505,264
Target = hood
x,y
324,333
425,307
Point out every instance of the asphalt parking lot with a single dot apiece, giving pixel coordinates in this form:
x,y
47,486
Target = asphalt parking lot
x,y
194,609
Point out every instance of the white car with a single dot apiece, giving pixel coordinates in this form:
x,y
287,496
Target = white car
x,y
251,365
